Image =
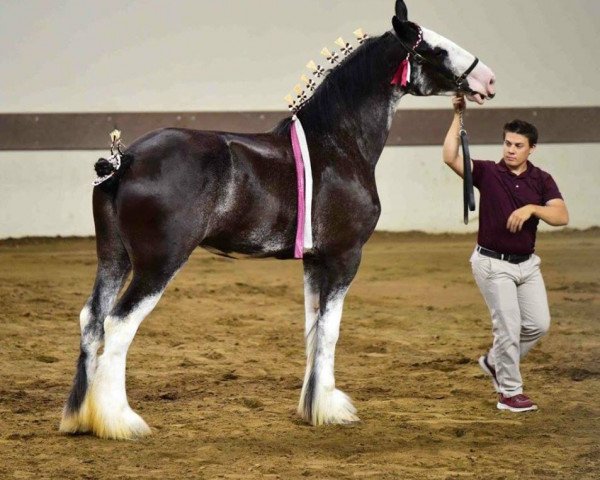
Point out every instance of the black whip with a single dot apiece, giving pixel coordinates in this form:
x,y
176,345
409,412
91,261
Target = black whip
x,y
468,192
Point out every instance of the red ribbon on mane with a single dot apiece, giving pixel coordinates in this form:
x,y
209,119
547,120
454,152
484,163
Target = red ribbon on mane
x,y
402,74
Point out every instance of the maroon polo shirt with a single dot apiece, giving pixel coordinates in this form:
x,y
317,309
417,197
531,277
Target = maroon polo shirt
x,y
501,193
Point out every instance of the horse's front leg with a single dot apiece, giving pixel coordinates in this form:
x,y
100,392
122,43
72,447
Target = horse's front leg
x,y
326,282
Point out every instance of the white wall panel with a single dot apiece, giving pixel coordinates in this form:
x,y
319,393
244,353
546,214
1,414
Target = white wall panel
x,y
146,55
49,193
200,55
419,192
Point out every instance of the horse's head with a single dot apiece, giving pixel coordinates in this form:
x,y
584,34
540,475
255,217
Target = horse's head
x,y
437,65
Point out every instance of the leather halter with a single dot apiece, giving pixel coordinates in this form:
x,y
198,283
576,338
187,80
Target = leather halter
x,y
460,81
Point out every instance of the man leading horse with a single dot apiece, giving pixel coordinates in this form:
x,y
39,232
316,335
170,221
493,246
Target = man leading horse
x,y
515,196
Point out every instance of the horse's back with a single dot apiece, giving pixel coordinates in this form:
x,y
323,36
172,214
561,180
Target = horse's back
x,y
226,191
189,149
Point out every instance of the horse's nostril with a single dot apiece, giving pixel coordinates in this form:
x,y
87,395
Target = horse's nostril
x,y
491,95
492,81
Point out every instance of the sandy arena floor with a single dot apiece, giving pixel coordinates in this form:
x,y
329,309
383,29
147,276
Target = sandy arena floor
x,y
216,370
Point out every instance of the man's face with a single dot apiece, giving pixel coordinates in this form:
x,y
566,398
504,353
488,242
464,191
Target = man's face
x,y
516,150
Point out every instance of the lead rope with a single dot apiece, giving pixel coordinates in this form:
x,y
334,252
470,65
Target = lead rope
x,y
468,191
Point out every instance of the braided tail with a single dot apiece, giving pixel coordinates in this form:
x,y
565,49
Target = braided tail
x,y
109,172
103,167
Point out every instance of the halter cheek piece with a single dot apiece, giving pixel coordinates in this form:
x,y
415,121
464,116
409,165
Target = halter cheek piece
x,y
460,81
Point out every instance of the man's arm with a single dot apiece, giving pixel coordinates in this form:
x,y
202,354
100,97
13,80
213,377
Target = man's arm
x,y
450,152
554,213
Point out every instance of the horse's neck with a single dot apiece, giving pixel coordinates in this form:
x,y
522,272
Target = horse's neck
x,y
358,124
372,125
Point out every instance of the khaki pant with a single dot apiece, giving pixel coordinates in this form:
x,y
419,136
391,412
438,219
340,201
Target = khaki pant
x,y
516,297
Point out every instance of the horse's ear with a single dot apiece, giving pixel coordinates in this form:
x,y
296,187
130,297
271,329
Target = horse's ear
x,y
401,10
401,28
405,31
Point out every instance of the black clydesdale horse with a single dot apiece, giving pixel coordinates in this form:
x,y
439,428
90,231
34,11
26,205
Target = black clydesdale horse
x,y
179,189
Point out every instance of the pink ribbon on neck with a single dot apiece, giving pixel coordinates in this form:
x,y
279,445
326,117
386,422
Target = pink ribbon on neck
x,y
402,75
299,246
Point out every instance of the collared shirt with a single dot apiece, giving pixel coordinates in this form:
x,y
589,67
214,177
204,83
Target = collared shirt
x,y
501,193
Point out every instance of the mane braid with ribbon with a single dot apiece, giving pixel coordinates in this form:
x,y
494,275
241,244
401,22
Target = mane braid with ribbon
x,y
402,75
304,95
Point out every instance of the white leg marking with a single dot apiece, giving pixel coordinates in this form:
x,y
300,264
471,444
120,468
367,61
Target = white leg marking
x,y
110,414
79,421
89,342
90,338
329,405
311,315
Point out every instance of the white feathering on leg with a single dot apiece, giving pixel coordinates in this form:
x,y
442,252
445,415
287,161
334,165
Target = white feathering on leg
x,y
79,421
333,407
109,412
329,405
311,311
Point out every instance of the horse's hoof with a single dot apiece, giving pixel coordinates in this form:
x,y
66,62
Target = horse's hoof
x,y
75,422
125,425
105,421
332,407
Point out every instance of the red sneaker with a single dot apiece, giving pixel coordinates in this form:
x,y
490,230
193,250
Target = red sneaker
x,y
518,403
489,371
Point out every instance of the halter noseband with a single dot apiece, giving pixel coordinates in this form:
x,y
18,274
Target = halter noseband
x,y
459,81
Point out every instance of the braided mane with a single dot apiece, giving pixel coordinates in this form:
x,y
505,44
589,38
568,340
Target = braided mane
x,y
347,85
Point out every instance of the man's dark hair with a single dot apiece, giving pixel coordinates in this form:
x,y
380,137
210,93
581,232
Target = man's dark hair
x,y
522,128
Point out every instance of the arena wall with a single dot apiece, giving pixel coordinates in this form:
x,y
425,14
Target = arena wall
x,y
238,56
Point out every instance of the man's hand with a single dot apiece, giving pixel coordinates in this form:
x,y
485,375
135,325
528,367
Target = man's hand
x,y
450,151
518,218
459,103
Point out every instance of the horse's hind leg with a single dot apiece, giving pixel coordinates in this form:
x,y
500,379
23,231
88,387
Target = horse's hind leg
x,y
110,413
326,282
113,268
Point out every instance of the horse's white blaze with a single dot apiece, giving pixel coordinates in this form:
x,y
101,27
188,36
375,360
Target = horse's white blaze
x,y
106,403
460,60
